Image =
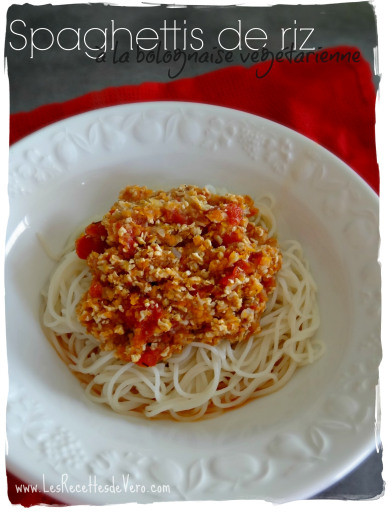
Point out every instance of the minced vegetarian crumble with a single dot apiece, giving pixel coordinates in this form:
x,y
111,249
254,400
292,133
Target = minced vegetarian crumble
x,y
173,267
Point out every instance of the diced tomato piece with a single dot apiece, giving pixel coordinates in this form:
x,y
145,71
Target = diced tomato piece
x,y
203,292
149,324
130,318
234,272
268,283
255,258
234,213
245,266
144,329
176,216
126,239
96,229
230,275
149,357
85,244
224,281
230,238
95,289
253,211
92,240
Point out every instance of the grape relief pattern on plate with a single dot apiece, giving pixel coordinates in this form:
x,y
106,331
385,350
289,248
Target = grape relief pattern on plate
x,y
238,473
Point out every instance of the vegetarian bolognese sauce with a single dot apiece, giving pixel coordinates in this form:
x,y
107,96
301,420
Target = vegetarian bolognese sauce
x,y
174,267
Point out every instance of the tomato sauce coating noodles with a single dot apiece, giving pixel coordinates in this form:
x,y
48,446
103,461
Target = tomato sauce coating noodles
x,y
182,304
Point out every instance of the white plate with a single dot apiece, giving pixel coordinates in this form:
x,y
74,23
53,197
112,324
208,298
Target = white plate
x,y
287,446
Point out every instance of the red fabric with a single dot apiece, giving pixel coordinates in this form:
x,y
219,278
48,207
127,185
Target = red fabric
x,y
17,494
331,103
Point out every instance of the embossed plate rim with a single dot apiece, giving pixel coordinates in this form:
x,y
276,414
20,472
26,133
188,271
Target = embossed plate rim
x,y
224,134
